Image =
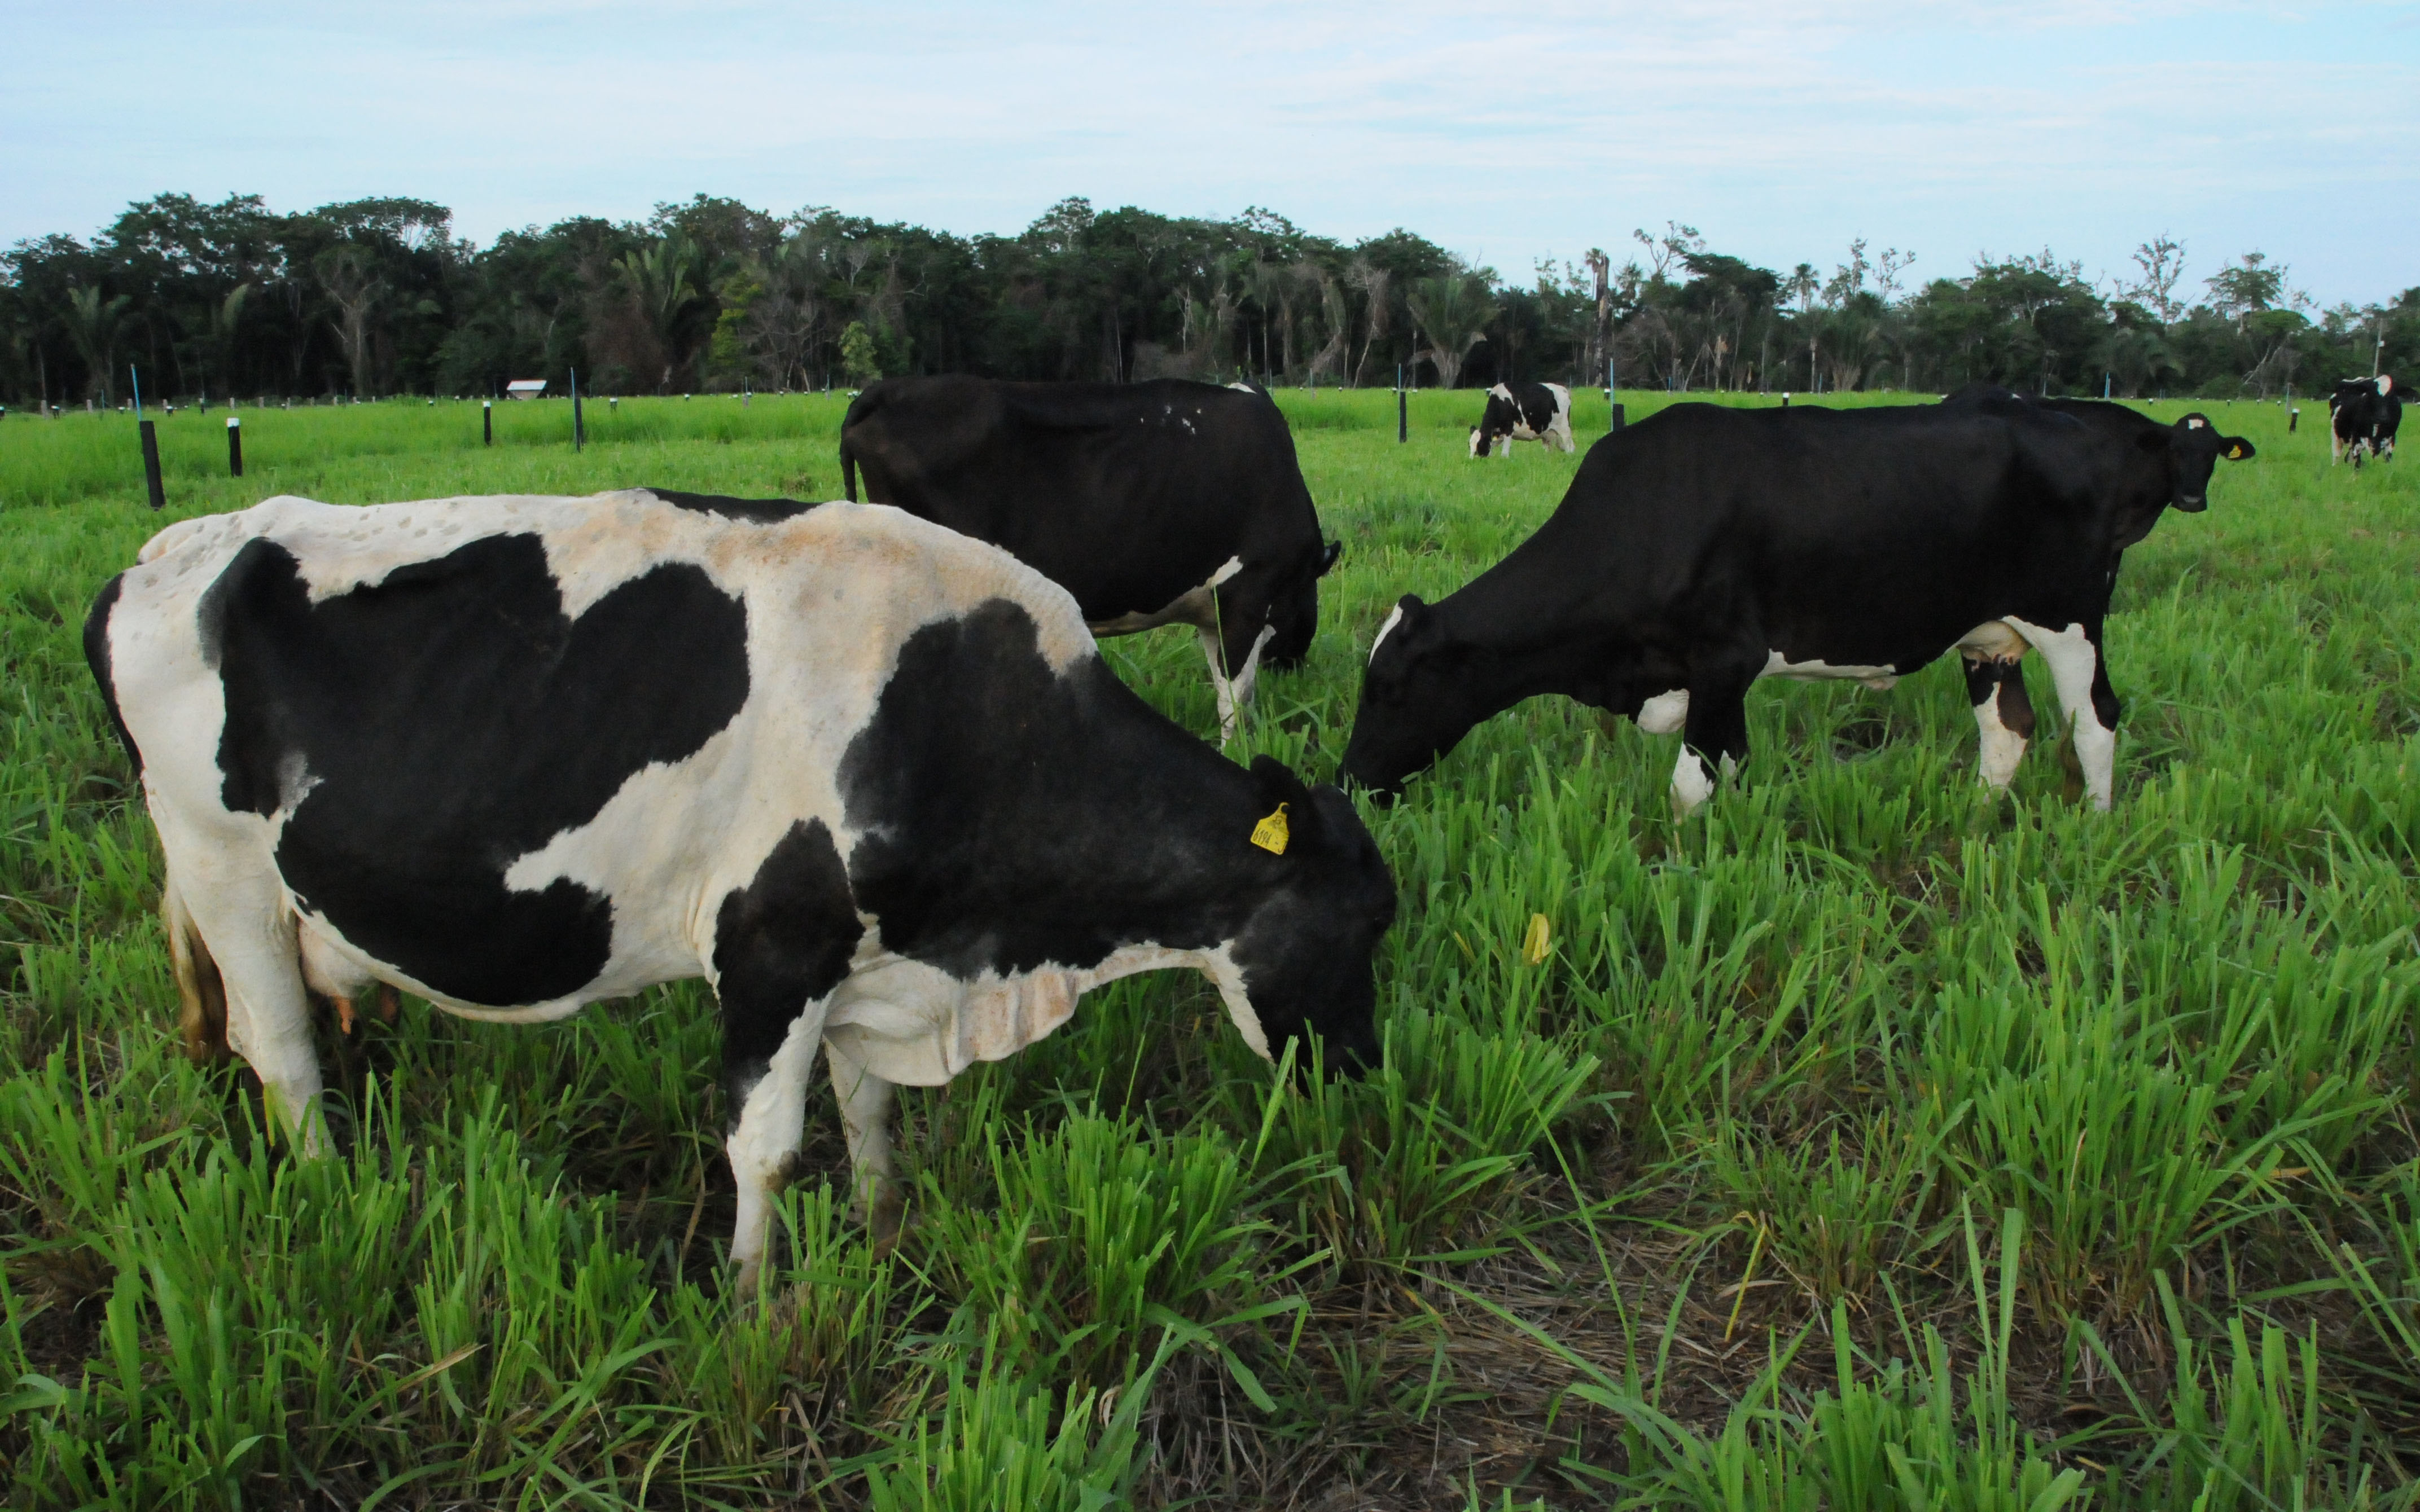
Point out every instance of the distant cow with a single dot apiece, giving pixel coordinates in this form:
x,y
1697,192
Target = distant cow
x,y
867,777
1706,548
1539,412
1155,503
2363,415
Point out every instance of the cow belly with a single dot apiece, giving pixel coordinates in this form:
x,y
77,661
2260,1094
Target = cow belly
x,y
1195,606
1778,665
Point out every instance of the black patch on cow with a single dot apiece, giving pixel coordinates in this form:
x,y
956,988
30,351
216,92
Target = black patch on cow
x,y
989,838
95,655
449,719
753,511
780,943
2006,682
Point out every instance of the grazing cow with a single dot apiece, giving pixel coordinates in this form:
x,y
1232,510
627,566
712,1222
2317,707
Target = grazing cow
x,y
2363,415
868,778
1539,412
1155,503
1703,548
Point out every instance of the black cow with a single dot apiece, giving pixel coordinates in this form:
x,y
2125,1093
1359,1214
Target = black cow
x,y
1705,548
869,777
2363,415
1539,412
1155,503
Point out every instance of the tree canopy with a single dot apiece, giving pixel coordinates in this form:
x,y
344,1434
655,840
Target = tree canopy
x,y
378,296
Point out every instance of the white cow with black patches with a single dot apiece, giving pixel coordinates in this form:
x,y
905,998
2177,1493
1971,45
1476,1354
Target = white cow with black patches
x,y
1539,412
867,777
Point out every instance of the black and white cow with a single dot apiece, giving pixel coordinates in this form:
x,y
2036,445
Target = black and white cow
x,y
867,777
1539,412
2363,416
1165,502
1706,548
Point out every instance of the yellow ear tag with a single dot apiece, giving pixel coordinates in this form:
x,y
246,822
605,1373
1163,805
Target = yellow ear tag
x,y
1270,834
1536,944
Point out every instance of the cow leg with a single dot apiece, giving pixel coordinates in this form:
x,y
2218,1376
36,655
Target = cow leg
x,y
2085,700
1235,691
2003,715
865,1101
242,923
1714,736
202,1015
764,1143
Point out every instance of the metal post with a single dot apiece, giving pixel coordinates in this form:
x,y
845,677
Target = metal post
x,y
1403,417
235,447
487,423
2104,387
578,431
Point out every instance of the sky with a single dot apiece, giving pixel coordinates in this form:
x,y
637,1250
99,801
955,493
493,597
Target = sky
x,y
1779,129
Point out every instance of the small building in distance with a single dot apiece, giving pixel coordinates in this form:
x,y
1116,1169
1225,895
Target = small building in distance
x,y
525,389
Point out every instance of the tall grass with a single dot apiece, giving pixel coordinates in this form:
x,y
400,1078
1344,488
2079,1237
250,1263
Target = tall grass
x,y
1662,1194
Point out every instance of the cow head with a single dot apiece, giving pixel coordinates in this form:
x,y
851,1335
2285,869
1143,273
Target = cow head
x,y
1305,951
1420,696
1480,443
1293,611
2194,447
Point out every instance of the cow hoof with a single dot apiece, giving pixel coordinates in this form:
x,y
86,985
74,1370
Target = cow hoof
x,y
884,1222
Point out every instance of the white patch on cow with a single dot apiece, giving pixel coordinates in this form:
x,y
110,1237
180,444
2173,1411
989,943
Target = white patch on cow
x,y
2073,662
1692,783
1500,392
2193,423
1778,665
2002,747
1665,713
2386,385
1394,617
1196,607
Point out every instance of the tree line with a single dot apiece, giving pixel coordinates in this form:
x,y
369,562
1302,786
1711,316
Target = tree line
x,y
379,296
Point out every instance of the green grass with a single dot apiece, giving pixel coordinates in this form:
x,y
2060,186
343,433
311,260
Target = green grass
x,y
1868,1141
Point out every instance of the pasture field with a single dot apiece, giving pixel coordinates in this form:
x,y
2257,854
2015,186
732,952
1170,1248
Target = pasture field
x,y
1869,1141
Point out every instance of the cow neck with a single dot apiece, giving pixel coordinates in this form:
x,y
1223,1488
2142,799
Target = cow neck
x,y
1527,616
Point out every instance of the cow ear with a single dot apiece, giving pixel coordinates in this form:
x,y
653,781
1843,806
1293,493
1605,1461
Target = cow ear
x,y
1328,558
1279,786
2235,448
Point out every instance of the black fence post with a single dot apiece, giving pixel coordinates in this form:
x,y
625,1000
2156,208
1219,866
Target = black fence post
x,y
235,447
578,431
486,422
1403,409
151,464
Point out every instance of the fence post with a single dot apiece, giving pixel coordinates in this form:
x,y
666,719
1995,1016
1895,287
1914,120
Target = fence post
x,y
487,423
578,431
1403,409
235,447
151,464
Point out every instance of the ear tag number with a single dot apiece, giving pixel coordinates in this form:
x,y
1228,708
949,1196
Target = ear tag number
x,y
1271,834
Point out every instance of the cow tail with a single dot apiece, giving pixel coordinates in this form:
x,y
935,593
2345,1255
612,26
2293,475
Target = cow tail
x,y
201,991
847,470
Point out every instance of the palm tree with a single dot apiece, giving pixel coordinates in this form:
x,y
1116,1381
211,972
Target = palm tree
x,y
92,325
656,280
1452,311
